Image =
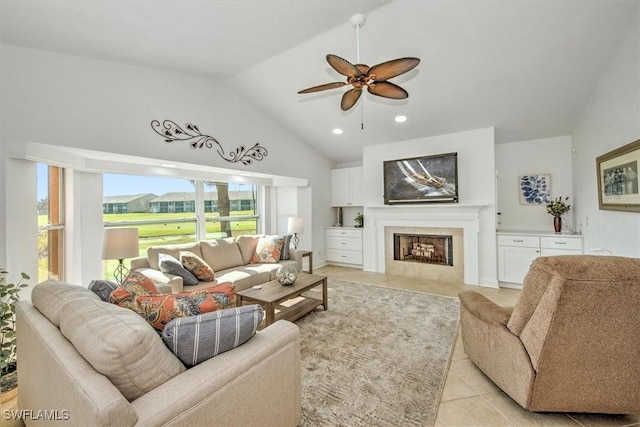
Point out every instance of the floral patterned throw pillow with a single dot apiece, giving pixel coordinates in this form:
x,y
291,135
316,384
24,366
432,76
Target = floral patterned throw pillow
x,y
133,286
268,250
159,310
197,266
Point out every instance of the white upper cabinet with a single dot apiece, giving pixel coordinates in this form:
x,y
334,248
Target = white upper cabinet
x,y
346,187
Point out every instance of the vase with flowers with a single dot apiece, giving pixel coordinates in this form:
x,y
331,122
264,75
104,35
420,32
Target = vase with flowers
x,y
558,207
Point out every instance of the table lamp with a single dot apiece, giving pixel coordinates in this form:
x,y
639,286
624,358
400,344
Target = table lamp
x,y
296,226
120,243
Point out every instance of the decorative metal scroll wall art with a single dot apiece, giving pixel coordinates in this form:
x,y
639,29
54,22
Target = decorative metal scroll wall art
x,y
171,132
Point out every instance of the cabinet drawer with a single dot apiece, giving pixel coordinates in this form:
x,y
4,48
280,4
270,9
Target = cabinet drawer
x,y
522,241
571,243
344,243
347,257
337,232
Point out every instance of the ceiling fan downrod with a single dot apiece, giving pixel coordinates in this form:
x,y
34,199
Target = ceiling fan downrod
x,y
357,21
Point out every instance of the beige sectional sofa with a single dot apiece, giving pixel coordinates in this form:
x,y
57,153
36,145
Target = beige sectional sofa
x,y
86,362
229,258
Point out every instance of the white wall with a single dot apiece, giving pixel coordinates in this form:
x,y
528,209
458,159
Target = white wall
x,y
476,185
18,174
69,101
550,156
610,120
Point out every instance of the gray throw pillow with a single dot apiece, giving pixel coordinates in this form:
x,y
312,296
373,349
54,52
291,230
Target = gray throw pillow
x,y
171,265
103,288
285,248
195,339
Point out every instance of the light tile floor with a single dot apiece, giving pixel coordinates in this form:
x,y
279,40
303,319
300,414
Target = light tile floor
x,y
469,398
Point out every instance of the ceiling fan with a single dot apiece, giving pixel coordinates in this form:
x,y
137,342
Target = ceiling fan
x,y
360,76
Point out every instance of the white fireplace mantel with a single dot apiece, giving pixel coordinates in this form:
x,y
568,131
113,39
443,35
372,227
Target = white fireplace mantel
x,y
466,217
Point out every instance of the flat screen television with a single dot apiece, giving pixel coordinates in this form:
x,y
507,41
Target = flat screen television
x,y
423,179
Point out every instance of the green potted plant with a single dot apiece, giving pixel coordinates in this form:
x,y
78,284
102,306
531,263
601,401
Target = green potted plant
x,y
359,219
9,296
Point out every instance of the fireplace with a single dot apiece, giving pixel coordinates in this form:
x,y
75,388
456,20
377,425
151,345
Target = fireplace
x,y
460,221
423,248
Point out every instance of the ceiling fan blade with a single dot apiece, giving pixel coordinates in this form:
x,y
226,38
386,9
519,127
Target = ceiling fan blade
x,y
393,68
350,98
343,66
388,90
323,87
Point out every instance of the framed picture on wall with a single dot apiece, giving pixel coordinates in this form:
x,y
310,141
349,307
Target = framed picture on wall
x,y
534,189
618,179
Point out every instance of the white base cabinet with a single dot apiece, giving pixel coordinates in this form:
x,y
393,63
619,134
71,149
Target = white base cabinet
x,y
517,250
344,246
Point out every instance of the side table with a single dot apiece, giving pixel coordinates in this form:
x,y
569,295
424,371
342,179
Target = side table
x,y
310,255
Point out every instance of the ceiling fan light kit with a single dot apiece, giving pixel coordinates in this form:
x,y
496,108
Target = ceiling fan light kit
x,y
360,76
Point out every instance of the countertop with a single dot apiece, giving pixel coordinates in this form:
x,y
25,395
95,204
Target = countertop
x,y
538,233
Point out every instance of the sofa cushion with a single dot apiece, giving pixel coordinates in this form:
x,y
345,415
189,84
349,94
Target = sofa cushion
x,y
49,297
221,254
247,245
159,310
153,252
169,264
244,277
133,286
268,249
102,288
197,266
198,338
119,344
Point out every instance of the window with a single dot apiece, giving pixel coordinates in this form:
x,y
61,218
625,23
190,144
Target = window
x,y
165,209
230,209
49,180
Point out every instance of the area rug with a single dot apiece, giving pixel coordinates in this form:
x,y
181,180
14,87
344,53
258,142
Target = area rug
x,y
377,357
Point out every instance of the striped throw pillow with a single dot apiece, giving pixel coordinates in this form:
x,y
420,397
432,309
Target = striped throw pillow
x,y
195,339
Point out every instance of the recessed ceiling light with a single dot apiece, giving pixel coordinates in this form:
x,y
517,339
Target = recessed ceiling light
x,y
167,165
401,119
337,131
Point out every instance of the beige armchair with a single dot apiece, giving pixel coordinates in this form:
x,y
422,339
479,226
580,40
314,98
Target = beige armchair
x,y
571,343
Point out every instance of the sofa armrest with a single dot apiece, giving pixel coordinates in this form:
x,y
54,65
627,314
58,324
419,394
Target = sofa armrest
x,y
493,348
141,262
264,372
160,278
485,309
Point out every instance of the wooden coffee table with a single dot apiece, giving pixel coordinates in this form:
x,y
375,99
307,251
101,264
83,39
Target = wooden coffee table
x,y
286,302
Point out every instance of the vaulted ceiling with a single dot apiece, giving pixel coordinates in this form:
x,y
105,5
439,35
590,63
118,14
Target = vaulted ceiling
x,y
526,67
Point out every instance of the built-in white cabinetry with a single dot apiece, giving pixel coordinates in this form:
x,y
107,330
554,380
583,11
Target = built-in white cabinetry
x,y
346,187
516,251
344,246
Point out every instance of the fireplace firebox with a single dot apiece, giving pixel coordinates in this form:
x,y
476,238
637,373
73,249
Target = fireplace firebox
x,y
423,248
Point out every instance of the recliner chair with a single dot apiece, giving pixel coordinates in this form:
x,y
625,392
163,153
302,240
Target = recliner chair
x,y
572,341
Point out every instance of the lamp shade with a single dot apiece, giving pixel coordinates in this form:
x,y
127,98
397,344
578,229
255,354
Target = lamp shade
x,y
296,225
120,243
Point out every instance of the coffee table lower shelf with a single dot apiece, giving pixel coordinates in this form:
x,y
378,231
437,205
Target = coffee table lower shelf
x,y
295,308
